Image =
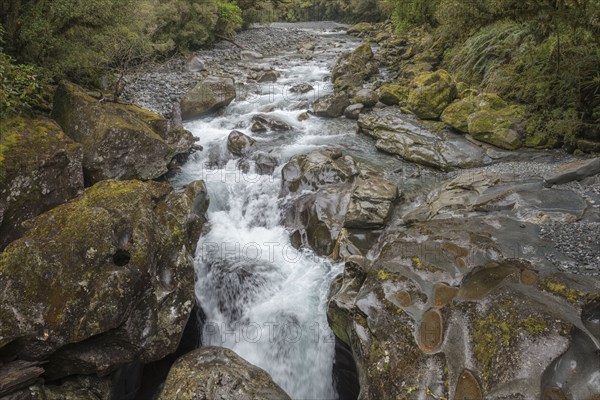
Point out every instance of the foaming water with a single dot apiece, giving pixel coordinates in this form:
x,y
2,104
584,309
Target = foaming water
x,y
263,298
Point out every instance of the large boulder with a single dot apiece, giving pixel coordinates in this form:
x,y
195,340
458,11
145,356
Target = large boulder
x,y
457,114
403,135
119,141
502,128
366,97
40,168
392,94
218,373
330,198
331,106
352,69
208,96
432,92
103,280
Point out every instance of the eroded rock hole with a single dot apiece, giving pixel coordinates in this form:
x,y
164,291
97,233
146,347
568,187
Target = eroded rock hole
x,y
121,258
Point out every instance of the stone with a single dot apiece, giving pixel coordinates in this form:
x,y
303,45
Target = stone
x,y
119,141
367,97
195,65
371,203
238,143
331,106
501,128
264,163
575,172
392,94
353,111
122,292
40,168
352,69
301,88
360,28
269,76
218,373
432,92
401,134
263,122
208,96
250,55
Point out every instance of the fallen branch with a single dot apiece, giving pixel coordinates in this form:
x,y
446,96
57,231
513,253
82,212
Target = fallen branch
x,y
228,40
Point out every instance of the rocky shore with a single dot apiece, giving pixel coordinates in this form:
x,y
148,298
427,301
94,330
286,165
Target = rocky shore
x,y
475,276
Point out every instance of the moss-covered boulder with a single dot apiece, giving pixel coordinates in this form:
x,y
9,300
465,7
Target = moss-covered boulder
x,y
432,92
119,141
208,96
238,143
104,279
502,128
392,93
457,114
360,29
366,97
219,373
40,168
352,69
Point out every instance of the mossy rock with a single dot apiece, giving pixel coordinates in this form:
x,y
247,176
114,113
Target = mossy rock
x,y
114,266
215,372
352,69
119,141
432,92
588,146
457,114
498,127
392,93
40,168
208,96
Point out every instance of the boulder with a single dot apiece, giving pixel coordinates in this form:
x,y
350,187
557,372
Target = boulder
x,y
40,168
392,94
502,128
268,76
103,280
219,373
353,111
352,69
301,88
238,143
208,96
457,114
403,135
432,92
331,106
371,203
263,163
119,141
263,122
366,97
196,65
360,29
576,171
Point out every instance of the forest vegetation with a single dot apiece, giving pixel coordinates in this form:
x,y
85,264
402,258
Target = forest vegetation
x,y
544,54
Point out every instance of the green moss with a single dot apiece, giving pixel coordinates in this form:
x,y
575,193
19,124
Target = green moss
x,y
569,294
383,275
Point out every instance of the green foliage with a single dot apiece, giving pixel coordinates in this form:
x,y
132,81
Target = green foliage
x,y
338,10
230,18
22,87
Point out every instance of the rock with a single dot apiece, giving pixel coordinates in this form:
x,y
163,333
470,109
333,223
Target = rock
x,y
502,128
304,116
331,106
122,292
119,141
432,93
238,143
456,114
262,122
250,55
195,65
264,164
366,97
371,203
495,343
301,88
219,373
360,28
353,111
208,96
40,168
575,172
392,94
588,146
307,46
401,134
269,76
352,69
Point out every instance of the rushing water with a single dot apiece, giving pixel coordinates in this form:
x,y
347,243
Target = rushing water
x,y
262,298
